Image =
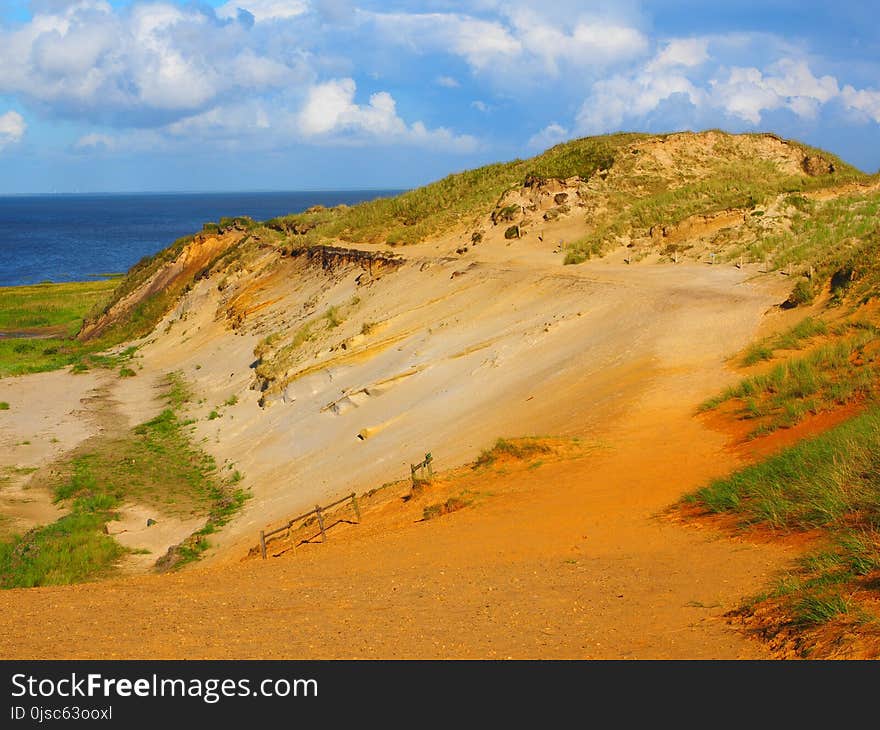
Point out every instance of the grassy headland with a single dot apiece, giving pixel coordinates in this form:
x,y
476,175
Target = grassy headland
x,y
40,322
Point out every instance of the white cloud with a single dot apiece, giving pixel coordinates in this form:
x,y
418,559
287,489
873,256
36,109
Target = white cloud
x,y
686,52
551,134
330,112
525,46
264,9
12,128
620,98
685,69
95,141
864,101
142,65
748,92
447,82
481,106
591,42
480,42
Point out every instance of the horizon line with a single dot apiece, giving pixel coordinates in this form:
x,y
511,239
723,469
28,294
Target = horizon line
x,y
204,192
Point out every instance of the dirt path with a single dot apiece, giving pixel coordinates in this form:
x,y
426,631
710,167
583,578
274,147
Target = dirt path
x,y
565,560
571,559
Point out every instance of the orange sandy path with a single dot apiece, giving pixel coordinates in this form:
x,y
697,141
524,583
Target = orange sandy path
x,y
568,560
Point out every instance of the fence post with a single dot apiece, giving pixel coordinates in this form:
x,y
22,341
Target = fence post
x,y
263,544
428,460
354,503
321,522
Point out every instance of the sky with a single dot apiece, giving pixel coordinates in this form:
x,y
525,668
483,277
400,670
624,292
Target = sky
x,y
201,95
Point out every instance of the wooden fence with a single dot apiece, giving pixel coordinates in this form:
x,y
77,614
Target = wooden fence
x,y
318,511
423,467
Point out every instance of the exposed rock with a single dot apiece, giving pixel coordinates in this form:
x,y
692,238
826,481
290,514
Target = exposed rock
x,y
560,198
816,165
506,214
333,257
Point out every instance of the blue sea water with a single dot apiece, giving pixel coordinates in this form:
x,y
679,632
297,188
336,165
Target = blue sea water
x,y
76,237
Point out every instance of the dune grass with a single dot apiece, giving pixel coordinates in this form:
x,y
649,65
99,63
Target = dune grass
x,y
42,306
57,309
794,338
830,375
521,449
155,464
459,198
829,483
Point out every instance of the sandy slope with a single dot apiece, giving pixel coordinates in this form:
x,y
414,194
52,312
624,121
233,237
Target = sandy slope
x,y
567,560
508,348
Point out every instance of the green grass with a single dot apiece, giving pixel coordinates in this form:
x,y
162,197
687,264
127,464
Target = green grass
x,y
829,483
155,464
830,375
817,483
521,449
459,198
4,406
793,339
44,306
57,309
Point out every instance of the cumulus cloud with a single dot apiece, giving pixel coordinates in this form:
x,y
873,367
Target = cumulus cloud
x,y
551,134
630,97
141,66
481,43
685,71
521,45
95,141
12,128
686,52
864,101
184,71
331,112
748,92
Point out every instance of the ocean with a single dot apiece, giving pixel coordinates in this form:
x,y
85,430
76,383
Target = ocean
x,y
78,237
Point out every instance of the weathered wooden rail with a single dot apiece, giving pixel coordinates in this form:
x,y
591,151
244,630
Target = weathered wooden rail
x,y
318,511
424,466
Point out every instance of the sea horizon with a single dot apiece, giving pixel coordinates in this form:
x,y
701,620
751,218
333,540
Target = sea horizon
x,y
62,237
255,191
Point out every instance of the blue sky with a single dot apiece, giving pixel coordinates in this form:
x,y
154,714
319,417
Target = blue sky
x,y
113,95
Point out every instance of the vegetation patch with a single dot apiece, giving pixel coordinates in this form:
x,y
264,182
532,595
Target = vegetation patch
x,y
830,375
40,323
154,464
830,485
521,449
793,339
453,504
461,198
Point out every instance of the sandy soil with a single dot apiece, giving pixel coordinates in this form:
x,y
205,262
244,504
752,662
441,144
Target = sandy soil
x,y
45,418
565,560
569,559
513,347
